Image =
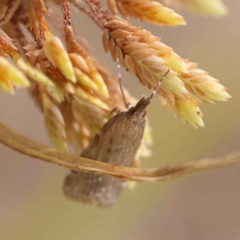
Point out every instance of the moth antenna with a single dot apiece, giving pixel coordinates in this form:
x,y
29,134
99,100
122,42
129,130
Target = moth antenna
x,y
155,89
120,84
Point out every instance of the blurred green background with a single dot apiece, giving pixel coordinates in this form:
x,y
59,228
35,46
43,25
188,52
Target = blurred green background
x,y
204,206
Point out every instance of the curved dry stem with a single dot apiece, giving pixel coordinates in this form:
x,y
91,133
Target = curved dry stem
x,y
28,147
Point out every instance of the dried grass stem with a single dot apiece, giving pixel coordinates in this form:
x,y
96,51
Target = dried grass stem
x,y
33,149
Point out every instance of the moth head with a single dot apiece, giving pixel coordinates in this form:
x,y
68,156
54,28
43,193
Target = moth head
x,y
138,111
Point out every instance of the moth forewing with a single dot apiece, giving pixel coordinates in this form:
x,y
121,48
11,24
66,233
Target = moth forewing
x,y
116,143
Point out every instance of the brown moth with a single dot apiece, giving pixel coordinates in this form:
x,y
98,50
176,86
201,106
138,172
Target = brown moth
x,y
116,143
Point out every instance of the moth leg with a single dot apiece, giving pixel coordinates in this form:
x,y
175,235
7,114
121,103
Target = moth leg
x,y
108,116
115,110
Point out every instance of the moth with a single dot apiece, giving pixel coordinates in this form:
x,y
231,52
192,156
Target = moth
x,y
116,143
